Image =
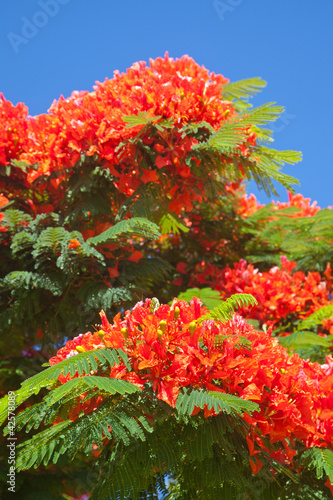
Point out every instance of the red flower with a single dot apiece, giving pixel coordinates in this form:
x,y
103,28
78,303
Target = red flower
x,y
169,350
74,244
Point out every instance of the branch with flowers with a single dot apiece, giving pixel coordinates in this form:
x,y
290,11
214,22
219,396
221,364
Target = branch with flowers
x,y
136,190
179,370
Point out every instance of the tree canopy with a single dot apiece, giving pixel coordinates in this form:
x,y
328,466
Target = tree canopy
x,y
162,332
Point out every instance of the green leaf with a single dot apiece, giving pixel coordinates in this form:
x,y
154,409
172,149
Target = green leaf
x,y
15,219
137,226
320,459
220,401
111,386
316,318
304,340
264,114
169,224
142,118
243,89
225,311
210,298
230,135
81,362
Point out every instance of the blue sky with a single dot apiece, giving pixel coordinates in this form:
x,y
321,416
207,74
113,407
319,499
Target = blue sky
x,y
52,47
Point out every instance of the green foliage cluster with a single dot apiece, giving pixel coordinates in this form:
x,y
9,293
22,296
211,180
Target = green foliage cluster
x,y
50,284
306,240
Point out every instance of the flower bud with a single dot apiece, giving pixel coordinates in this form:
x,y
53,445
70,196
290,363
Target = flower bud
x,y
80,348
159,333
192,327
101,334
163,325
124,332
177,312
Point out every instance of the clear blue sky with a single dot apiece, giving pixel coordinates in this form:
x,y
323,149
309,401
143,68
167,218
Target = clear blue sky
x,y
51,47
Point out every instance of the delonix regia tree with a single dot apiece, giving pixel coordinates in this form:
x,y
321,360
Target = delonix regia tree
x,y
115,202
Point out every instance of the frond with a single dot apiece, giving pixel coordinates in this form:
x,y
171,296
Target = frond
x,y
220,401
50,240
263,135
82,363
69,258
320,459
243,89
316,318
266,166
135,227
226,310
48,409
230,135
96,295
17,280
44,220
281,157
15,219
142,118
200,130
263,164
304,340
142,203
121,421
169,224
23,241
264,114
125,480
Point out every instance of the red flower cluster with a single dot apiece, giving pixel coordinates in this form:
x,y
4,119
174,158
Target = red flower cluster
x,y
13,130
279,292
171,349
248,205
93,123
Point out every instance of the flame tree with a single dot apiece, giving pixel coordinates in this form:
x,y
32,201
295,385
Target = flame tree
x,y
136,190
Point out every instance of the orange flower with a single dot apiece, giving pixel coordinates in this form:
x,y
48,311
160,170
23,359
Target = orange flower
x,y
294,396
279,292
74,244
93,123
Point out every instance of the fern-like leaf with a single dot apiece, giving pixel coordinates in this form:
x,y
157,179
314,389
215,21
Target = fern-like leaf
x,y
99,296
264,114
219,401
226,310
320,459
137,226
169,224
142,203
27,280
14,218
316,318
142,118
82,363
48,409
121,422
231,135
243,89
304,340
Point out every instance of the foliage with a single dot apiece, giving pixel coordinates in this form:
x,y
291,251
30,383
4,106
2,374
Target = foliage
x,y
137,189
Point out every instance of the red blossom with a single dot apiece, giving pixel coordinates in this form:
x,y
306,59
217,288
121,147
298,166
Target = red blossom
x,y
93,123
279,291
294,395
